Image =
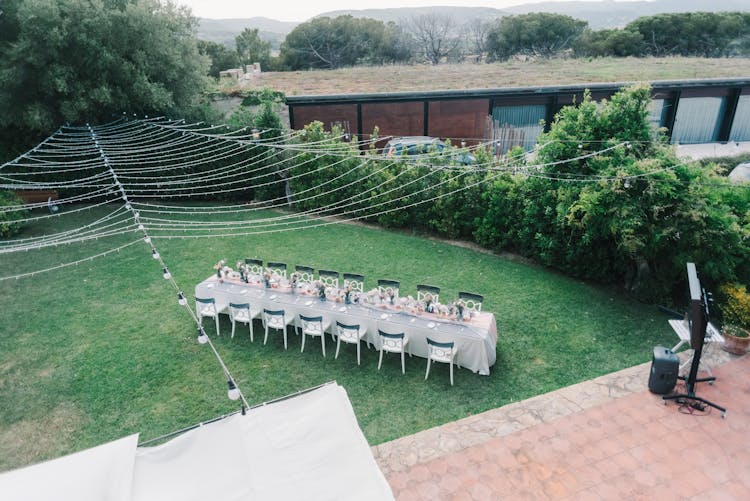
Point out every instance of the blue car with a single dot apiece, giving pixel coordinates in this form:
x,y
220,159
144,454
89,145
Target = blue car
x,y
422,145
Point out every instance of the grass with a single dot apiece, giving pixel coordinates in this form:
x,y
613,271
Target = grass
x,y
100,350
514,73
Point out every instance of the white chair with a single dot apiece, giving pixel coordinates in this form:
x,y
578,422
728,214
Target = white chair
x,y
431,292
306,274
329,278
388,287
351,334
393,343
274,319
356,282
254,267
206,307
472,302
277,269
313,326
441,352
240,312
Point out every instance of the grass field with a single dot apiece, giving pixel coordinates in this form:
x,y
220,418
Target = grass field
x,y
398,78
96,351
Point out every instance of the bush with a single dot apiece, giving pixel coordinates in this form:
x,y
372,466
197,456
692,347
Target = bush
x,y
735,307
9,199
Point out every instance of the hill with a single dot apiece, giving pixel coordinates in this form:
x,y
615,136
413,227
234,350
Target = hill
x,y
224,31
611,14
397,15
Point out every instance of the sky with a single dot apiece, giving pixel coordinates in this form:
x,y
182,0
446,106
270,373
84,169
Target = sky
x,y
302,10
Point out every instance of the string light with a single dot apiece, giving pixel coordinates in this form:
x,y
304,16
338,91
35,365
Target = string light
x,y
155,254
181,299
147,239
202,337
165,272
233,393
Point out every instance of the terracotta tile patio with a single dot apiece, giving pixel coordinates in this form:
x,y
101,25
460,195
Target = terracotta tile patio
x,y
609,438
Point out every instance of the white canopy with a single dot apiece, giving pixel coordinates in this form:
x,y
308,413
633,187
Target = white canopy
x,y
307,447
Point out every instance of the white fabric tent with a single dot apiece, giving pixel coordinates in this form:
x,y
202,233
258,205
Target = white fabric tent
x,y
306,447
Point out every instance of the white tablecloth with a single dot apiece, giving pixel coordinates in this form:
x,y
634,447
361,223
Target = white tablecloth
x,y
475,339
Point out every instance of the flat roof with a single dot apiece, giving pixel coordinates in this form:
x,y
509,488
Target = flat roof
x,y
661,85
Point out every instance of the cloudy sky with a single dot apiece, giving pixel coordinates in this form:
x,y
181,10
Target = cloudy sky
x,y
301,10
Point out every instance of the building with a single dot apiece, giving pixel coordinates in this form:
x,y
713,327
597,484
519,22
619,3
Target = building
x,y
692,111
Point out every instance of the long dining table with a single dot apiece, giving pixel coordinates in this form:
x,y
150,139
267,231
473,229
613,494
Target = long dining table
x,y
474,338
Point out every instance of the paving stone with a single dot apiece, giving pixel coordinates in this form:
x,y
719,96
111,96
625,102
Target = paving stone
x,y
608,438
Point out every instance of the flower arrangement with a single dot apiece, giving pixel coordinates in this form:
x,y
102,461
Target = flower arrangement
x,y
294,281
219,267
267,278
321,290
460,307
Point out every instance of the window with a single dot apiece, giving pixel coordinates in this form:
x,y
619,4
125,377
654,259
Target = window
x,y
698,120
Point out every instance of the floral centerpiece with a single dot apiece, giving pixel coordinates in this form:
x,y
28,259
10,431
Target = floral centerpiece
x,y
267,278
293,282
459,306
219,267
321,288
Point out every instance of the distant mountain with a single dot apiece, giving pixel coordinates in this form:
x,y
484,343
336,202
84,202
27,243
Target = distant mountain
x,y
610,14
460,14
224,31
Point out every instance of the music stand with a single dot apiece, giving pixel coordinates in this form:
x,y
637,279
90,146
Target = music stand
x,y
698,315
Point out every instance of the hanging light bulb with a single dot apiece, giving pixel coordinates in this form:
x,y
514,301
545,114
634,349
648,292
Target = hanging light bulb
x,y
202,337
627,182
233,393
141,227
166,273
181,299
147,239
128,206
155,254
136,214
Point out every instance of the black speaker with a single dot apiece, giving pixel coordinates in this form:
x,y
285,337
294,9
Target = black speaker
x,y
664,368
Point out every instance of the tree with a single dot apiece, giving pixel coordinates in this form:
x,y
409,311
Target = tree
x,y
329,43
436,37
222,58
478,32
705,34
251,49
614,42
536,34
84,61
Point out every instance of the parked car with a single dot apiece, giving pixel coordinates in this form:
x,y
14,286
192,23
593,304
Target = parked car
x,y
422,145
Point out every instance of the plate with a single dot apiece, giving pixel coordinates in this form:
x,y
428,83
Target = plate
x,y
431,325
342,309
272,296
243,291
210,286
308,303
384,316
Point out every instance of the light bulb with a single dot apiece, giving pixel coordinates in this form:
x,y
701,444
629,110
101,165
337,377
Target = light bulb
x,y
181,299
147,239
136,214
233,393
140,227
202,337
128,206
154,254
167,275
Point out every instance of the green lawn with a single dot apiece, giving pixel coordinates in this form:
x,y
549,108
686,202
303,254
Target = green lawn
x,y
99,350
